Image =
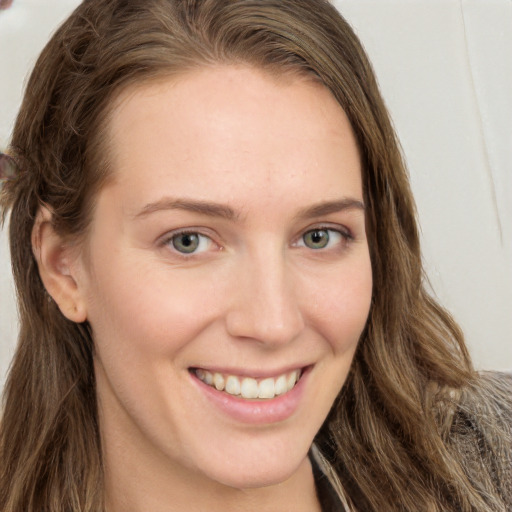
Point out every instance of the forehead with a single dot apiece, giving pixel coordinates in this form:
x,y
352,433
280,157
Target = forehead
x,y
218,130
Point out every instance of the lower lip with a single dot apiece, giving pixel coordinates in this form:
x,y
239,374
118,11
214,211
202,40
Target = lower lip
x,y
255,412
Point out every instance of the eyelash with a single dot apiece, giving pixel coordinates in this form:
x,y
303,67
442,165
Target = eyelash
x,y
344,234
168,241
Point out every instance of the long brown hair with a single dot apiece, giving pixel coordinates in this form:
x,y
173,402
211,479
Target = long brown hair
x,y
385,437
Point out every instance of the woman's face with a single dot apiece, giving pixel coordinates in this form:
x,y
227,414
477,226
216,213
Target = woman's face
x,y
226,260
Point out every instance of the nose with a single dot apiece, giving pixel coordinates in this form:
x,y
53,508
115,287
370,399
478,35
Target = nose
x,y
264,305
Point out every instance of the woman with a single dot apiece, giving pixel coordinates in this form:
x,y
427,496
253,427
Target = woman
x,y
220,283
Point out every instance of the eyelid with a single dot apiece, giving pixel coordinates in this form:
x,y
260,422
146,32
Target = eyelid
x,y
342,230
166,240
345,238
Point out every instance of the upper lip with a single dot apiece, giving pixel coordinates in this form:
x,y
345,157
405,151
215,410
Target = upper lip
x,y
258,373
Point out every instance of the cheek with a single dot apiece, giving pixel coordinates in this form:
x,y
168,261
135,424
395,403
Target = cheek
x,y
342,304
134,308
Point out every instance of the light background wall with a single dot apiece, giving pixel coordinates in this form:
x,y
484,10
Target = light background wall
x,y
445,70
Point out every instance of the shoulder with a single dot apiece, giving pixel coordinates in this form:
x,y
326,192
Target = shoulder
x,y
481,434
487,405
489,400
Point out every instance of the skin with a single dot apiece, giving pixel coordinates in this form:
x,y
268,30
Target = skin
x,y
254,296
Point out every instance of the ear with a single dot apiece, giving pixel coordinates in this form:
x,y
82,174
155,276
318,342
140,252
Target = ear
x,y
57,263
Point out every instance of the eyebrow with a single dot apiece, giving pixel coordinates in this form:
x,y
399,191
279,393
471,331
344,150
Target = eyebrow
x,y
328,207
202,207
226,212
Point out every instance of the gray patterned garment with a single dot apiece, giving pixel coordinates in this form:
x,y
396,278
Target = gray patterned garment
x,y
480,437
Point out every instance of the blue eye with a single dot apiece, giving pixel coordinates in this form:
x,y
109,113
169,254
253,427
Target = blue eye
x,y
322,238
190,242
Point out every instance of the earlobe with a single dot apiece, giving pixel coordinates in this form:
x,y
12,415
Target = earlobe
x,y
57,267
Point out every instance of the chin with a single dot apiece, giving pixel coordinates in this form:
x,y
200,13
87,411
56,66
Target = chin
x,y
256,478
257,471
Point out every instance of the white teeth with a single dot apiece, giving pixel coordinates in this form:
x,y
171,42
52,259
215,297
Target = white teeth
x,y
218,381
292,379
248,387
208,378
266,389
281,385
233,385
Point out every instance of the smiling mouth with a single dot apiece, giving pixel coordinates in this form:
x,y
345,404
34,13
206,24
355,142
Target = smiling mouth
x,y
248,387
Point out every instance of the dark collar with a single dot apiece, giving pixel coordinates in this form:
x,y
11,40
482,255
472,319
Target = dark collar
x,y
327,496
